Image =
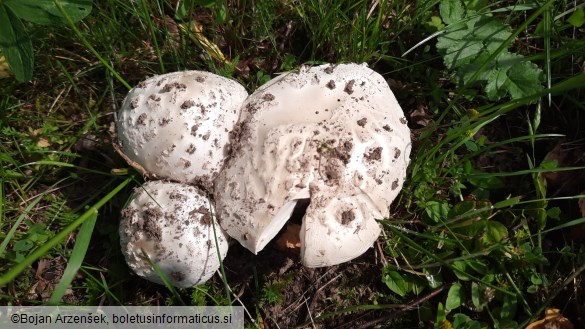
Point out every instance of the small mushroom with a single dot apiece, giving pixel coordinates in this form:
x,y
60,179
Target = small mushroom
x,y
176,125
171,225
334,135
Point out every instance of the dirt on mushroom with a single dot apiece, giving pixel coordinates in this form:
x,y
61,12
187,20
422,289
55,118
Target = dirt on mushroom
x,y
155,229
166,130
275,156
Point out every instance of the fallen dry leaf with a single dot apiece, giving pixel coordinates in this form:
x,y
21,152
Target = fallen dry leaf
x,y
553,319
43,142
195,32
420,115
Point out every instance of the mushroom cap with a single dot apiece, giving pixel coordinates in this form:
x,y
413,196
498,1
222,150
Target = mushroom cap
x,y
332,134
172,224
176,125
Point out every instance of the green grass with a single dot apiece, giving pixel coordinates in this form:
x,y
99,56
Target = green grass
x,y
480,236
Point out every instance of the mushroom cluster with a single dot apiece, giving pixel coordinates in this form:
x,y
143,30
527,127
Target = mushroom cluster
x,y
176,127
331,136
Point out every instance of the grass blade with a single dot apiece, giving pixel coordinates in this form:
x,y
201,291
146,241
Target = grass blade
x,y
22,216
89,46
42,250
77,256
547,46
164,277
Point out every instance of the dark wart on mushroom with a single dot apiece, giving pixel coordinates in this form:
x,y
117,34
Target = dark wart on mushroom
x,y
329,134
177,125
170,225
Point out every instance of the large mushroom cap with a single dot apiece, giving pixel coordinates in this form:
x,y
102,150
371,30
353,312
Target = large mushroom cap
x,y
172,224
332,134
177,125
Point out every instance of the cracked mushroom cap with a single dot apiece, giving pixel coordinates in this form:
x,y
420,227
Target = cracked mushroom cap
x,y
332,134
172,224
176,125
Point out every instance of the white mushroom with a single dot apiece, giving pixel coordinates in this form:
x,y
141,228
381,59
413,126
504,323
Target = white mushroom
x,y
177,125
171,225
332,134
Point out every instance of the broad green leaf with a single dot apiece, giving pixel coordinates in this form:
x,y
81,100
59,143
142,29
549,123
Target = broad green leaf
x,y
22,245
455,297
77,256
440,313
507,60
461,208
395,282
554,213
507,203
463,321
495,87
464,269
437,211
468,49
477,296
402,284
460,268
491,32
471,146
494,232
451,11
462,52
46,12
476,5
471,21
524,80
503,62
535,279
577,19
453,34
465,43
549,164
16,45
435,24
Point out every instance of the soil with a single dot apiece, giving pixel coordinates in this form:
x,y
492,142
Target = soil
x,y
349,87
205,219
311,291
